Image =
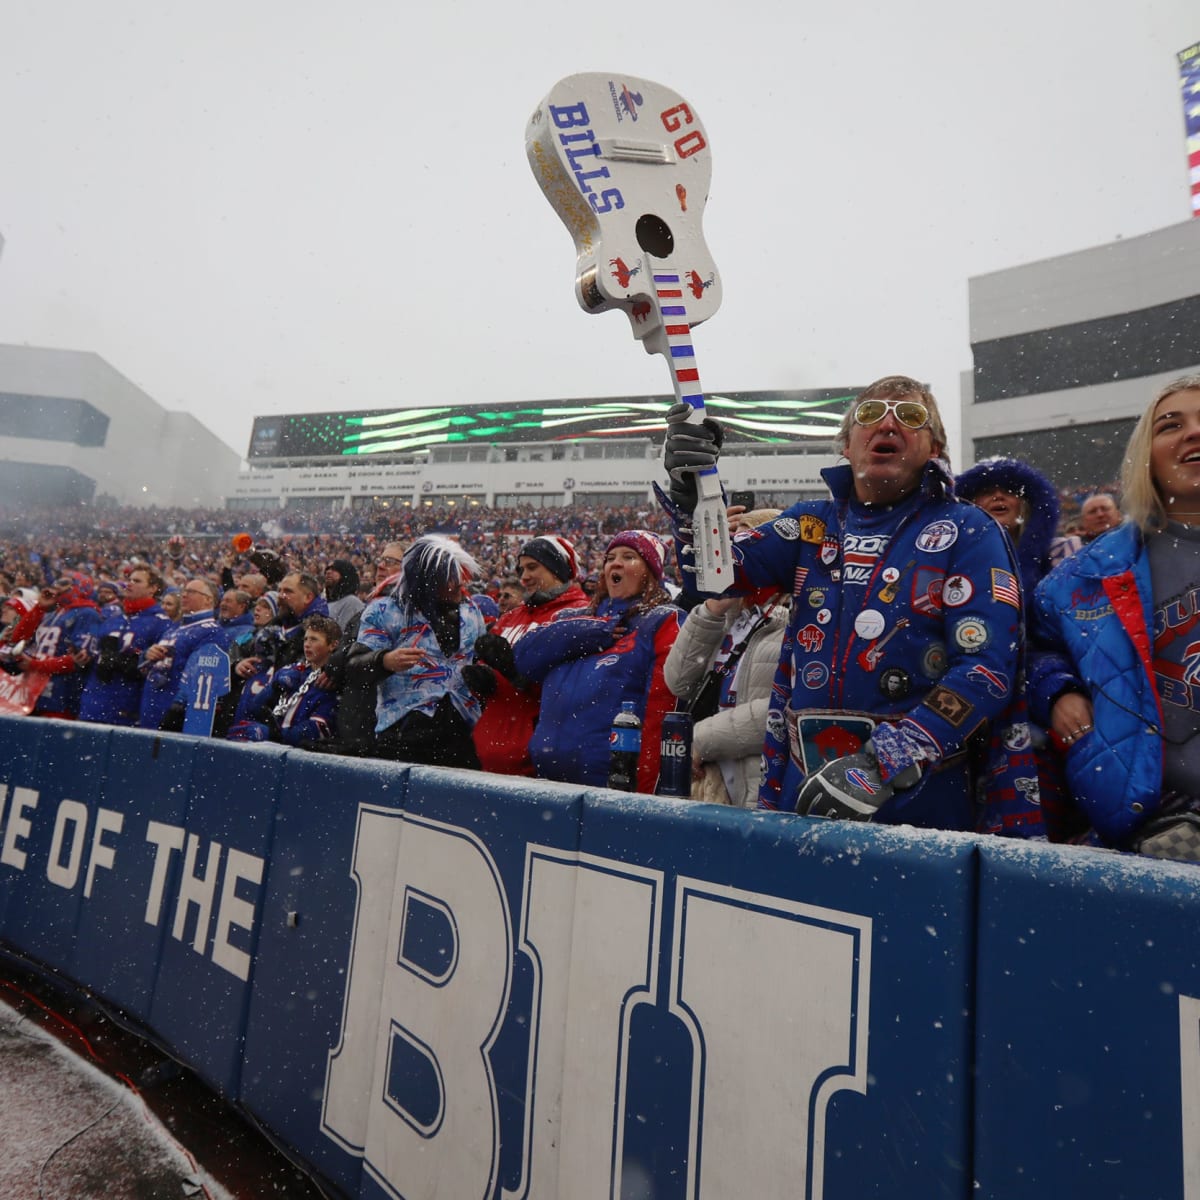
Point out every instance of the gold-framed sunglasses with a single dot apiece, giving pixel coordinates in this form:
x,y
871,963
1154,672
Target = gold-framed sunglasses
x,y
912,414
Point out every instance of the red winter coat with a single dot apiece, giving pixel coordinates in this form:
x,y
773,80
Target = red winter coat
x,y
502,734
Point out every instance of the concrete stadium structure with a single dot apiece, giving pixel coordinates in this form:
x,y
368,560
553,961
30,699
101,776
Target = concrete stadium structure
x,y
1069,351
73,429
337,460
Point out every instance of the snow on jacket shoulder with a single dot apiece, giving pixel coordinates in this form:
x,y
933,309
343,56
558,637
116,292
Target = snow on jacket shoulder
x,y
1095,611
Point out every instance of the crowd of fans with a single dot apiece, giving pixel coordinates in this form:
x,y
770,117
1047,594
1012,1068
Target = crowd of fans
x,y
506,639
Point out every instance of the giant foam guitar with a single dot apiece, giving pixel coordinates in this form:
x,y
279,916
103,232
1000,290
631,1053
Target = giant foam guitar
x,y
626,165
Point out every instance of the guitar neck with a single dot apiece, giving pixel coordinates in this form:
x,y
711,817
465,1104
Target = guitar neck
x,y
674,339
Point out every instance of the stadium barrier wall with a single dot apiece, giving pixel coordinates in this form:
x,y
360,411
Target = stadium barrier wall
x,y
435,984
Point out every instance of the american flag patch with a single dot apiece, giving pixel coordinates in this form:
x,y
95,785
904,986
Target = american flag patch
x,y
1005,587
798,582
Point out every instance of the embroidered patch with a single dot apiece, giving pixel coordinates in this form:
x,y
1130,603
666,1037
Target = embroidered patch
x,y
971,635
950,706
957,590
788,528
937,536
812,529
798,581
1005,587
995,682
810,638
927,591
814,675
829,551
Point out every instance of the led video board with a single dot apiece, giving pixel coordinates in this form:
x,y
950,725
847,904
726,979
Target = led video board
x,y
748,417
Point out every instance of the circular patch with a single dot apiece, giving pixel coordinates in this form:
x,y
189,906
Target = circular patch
x,y
957,590
816,597
971,635
824,617
869,623
895,684
829,551
814,675
937,536
890,574
788,528
933,661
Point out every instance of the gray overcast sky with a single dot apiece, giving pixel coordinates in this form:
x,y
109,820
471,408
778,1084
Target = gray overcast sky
x,y
267,207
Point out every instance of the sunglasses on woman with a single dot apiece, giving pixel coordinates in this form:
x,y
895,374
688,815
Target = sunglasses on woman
x,y
912,414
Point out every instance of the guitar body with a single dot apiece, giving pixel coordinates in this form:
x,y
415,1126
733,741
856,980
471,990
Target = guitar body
x,y
626,165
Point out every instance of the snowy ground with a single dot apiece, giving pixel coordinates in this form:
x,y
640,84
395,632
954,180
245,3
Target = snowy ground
x,y
89,1112
71,1131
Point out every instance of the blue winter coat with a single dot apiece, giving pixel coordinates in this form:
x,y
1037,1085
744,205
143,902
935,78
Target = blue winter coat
x,y
117,701
588,664
162,678
303,715
1095,610
915,619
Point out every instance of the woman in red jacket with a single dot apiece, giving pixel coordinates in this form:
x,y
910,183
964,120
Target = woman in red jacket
x,y
548,574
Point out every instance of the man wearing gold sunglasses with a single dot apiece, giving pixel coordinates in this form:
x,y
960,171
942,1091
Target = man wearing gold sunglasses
x,y
905,637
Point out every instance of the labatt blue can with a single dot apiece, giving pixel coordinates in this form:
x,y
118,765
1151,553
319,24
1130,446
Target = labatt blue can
x,y
675,755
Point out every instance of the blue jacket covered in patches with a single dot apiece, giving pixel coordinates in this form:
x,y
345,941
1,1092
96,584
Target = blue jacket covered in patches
x,y
588,664
387,624
1096,611
908,613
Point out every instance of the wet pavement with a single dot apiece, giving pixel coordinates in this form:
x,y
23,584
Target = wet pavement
x,y
90,1112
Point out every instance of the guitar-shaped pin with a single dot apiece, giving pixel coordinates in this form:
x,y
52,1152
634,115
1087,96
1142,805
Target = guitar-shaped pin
x,y
625,163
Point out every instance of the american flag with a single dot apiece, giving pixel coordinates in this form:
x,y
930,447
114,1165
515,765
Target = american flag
x,y
1189,79
1005,587
798,583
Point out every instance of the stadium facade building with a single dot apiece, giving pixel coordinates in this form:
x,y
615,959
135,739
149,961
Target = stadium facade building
x,y
544,454
73,430
1070,350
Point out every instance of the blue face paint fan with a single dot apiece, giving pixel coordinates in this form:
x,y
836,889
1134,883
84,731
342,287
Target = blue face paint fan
x,y
626,165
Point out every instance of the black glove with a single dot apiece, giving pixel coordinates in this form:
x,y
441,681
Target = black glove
x,y
273,567
480,679
689,447
172,721
496,652
106,659
848,789
127,664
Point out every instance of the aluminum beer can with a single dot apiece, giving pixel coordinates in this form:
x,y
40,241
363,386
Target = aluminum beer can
x,y
675,755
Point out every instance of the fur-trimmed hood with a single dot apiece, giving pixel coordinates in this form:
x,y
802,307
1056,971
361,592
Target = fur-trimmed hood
x,y
1020,479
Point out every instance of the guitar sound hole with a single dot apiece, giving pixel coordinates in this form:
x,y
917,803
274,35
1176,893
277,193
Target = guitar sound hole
x,y
654,236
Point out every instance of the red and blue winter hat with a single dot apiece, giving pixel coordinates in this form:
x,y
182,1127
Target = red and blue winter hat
x,y
649,547
555,553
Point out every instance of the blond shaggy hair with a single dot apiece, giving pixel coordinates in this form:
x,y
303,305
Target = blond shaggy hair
x,y
1140,496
